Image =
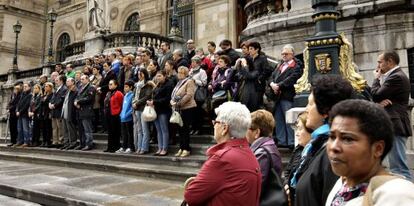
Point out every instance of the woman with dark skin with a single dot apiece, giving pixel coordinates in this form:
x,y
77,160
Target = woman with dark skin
x,y
361,135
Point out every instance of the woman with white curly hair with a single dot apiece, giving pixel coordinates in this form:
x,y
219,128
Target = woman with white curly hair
x,y
231,175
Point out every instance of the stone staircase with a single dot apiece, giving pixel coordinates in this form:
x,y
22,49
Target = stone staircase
x,y
161,167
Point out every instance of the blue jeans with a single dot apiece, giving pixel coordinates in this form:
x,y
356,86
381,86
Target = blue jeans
x,y
398,159
142,133
85,132
283,132
135,120
161,124
24,133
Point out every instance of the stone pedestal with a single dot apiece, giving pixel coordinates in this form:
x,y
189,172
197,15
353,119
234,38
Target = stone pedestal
x,y
47,70
12,76
94,44
178,42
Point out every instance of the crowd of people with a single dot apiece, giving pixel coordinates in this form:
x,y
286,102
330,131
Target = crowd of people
x,y
341,142
112,91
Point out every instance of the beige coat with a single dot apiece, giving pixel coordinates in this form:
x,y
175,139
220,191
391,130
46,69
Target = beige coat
x,y
186,92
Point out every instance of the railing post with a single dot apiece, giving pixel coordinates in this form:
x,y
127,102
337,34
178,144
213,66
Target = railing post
x,y
11,76
47,69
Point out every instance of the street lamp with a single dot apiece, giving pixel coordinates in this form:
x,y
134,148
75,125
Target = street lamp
x,y
16,28
175,29
52,15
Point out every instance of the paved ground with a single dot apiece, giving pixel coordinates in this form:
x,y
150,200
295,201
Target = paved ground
x,y
89,186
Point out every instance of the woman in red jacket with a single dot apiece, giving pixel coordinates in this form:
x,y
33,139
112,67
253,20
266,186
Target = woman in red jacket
x,y
113,105
231,175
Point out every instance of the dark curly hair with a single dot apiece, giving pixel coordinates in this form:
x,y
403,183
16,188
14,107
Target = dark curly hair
x,y
373,120
329,89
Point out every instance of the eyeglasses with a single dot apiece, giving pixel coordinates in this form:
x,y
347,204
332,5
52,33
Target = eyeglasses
x,y
284,54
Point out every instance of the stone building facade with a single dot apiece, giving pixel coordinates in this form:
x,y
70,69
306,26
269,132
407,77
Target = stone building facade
x,y
202,20
370,25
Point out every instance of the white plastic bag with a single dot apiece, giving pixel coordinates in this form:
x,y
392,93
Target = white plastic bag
x,y
176,118
149,114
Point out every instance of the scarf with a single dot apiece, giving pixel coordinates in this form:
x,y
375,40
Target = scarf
x,y
347,193
309,150
138,87
179,85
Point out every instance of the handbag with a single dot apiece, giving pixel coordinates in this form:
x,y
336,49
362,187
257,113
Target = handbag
x,y
374,183
200,94
272,192
176,118
149,114
270,94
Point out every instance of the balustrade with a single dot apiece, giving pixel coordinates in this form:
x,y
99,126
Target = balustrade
x,y
134,39
259,8
75,48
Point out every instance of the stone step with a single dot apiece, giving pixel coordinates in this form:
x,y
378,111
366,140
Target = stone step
x,y
192,161
63,186
196,139
196,149
98,160
159,171
39,197
10,201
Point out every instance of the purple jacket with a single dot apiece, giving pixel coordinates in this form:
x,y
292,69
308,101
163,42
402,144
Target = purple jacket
x,y
262,158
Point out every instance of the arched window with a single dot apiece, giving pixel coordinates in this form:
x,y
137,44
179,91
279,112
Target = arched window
x,y
63,41
132,23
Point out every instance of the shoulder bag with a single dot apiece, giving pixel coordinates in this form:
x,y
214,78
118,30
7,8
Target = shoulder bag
x,y
273,193
176,118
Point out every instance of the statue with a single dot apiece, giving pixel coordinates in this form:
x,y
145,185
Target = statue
x,y
96,14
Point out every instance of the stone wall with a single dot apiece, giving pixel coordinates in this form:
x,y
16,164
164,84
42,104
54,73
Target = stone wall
x,y
215,21
371,26
370,31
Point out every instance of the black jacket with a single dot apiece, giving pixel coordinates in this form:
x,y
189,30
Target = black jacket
x,y
71,107
287,79
396,88
162,97
182,62
232,54
248,78
264,71
316,182
24,104
86,98
144,95
14,99
291,168
44,107
189,55
35,104
57,100
104,84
